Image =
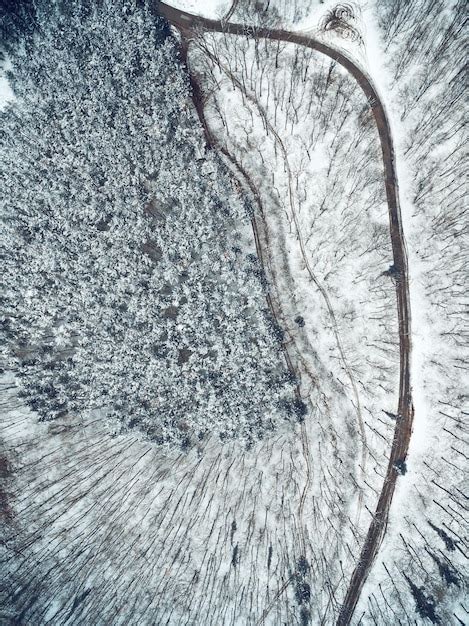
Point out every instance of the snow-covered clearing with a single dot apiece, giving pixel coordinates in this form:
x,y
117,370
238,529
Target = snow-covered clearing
x,y
6,92
303,131
213,9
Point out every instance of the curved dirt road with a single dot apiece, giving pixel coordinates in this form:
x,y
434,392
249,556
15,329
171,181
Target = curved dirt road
x,y
190,25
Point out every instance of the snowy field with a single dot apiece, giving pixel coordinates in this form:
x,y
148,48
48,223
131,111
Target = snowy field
x,y
6,93
212,9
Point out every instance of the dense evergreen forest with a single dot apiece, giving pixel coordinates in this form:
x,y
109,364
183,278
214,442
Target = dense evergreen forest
x,y
131,283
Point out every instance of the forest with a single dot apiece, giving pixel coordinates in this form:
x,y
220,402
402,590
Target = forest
x,y
202,352
129,266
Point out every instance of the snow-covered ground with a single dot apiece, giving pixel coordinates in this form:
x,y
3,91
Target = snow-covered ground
x,y
6,93
416,54
302,130
113,530
213,9
284,11
263,105
147,536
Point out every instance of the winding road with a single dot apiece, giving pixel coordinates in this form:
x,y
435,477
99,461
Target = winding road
x,y
191,25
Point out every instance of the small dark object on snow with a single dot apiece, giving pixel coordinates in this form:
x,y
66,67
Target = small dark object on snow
x,y
278,331
299,409
303,566
392,272
185,444
235,556
233,529
302,592
300,321
400,467
305,616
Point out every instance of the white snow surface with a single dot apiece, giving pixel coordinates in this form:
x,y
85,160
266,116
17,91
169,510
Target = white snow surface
x,y
237,120
172,516
212,9
6,92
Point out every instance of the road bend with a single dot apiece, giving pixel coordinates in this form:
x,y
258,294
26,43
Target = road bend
x,y
191,26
